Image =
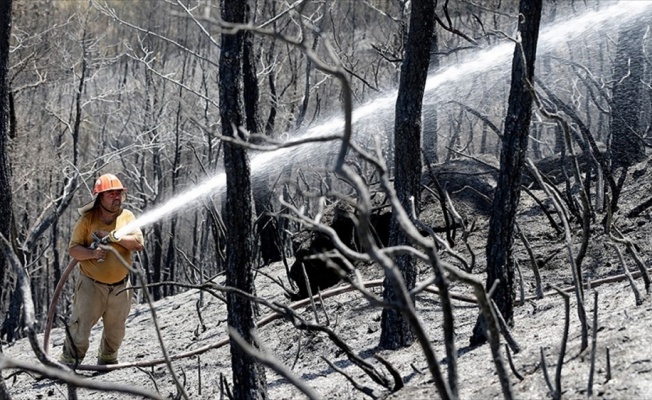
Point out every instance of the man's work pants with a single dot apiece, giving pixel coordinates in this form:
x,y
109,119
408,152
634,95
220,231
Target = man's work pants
x,y
92,301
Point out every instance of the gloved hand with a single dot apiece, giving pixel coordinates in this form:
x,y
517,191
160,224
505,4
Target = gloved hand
x,y
112,238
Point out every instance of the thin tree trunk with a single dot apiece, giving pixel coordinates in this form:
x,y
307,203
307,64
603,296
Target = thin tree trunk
x,y
500,263
395,328
249,380
627,145
5,166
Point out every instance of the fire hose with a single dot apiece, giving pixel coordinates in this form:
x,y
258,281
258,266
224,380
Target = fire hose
x,y
97,242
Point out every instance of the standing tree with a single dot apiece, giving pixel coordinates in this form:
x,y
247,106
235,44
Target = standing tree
x,y
430,135
396,331
266,224
627,145
500,264
248,376
5,167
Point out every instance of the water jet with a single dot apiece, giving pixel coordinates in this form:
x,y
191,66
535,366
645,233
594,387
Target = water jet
x,y
449,81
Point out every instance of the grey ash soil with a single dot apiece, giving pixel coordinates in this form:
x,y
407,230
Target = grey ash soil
x,y
623,330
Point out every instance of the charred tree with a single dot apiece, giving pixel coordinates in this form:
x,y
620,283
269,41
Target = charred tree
x,y
5,166
395,328
500,262
430,134
157,260
627,144
248,376
265,223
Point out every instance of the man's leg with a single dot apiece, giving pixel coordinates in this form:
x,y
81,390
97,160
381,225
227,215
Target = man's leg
x,y
87,307
114,318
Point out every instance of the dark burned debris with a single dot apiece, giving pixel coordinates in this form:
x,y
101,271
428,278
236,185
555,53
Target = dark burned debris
x,y
319,273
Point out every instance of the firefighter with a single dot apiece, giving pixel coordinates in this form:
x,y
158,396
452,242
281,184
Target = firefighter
x,y
102,290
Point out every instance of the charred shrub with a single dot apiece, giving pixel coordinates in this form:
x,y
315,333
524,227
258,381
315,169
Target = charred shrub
x,y
339,216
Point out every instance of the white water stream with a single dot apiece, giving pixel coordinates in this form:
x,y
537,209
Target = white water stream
x,y
383,107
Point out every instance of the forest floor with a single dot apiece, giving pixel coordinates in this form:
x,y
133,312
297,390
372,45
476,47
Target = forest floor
x,y
623,356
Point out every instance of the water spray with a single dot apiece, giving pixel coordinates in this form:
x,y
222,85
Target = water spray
x,y
484,61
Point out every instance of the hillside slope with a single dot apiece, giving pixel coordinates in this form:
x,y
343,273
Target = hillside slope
x,y
623,359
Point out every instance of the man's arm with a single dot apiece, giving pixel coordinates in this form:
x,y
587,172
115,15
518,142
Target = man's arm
x,y
131,242
81,253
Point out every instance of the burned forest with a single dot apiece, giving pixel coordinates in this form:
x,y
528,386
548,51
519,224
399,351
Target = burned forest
x,y
339,199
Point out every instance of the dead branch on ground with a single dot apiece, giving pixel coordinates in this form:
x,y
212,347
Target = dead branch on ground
x,y
632,284
543,208
636,211
363,389
618,237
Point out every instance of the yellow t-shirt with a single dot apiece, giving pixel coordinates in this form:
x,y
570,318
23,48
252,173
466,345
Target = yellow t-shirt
x,y
111,269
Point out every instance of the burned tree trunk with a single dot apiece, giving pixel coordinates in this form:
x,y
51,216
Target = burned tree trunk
x,y
266,231
627,145
5,167
395,328
248,376
500,264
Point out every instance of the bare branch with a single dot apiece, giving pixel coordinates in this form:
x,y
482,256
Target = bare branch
x,y
265,358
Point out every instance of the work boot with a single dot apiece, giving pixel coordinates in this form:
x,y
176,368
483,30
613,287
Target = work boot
x,y
69,362
103,361
106,358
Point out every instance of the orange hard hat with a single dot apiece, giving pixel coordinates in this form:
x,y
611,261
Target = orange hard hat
x,y
107,182
104,183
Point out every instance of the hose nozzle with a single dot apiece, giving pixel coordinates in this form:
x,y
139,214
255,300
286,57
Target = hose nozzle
x,y
97,241
111,237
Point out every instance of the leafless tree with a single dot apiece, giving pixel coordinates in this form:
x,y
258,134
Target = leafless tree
x,y
500,263
627,144
5,167
131,86
248,375
396,331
